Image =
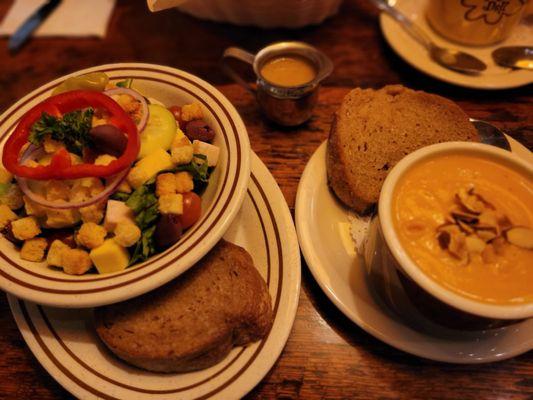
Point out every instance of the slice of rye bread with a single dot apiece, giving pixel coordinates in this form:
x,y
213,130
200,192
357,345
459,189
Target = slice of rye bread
x,y
374,129
192,322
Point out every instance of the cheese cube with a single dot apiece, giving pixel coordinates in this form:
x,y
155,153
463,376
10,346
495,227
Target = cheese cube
x,y
116,212
110,257
147,167
210,151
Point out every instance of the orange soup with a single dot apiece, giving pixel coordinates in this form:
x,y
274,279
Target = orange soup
x,y
467,222
288,70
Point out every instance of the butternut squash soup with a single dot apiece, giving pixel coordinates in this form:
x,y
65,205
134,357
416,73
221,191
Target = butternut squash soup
x,y
467,222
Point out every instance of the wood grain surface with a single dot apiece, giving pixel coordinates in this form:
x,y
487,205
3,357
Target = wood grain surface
x,y
327,356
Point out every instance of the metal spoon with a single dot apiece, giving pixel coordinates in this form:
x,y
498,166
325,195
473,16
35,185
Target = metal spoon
x,y
449,58
514,57
489,134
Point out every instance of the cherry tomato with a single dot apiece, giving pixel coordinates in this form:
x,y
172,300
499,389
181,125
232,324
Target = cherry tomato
x,y
192,208
176,112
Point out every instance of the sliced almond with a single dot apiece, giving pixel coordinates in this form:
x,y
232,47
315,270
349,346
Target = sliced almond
x,y
520,236
415,226
444,239
469,200
486,234
504,223
465,227
486,203
488,219
452,229
465,217
474,244
488,255
499,245
457,248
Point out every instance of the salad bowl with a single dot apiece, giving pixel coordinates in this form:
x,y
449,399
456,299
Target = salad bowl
x,y
220,202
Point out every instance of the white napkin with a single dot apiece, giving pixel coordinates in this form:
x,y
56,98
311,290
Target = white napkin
x,y
70,18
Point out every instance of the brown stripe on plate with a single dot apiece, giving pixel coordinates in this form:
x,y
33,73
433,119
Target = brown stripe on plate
x,y
51,356
223,386
159,256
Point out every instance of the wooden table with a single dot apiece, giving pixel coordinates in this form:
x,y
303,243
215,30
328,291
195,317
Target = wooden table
x,y
327,356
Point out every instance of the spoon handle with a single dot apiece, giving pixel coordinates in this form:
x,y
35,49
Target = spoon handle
x,y
418,34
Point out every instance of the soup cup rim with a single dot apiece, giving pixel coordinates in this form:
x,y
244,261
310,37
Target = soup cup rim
x,y
408,266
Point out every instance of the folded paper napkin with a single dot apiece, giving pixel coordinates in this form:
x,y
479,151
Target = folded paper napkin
x,y
70,18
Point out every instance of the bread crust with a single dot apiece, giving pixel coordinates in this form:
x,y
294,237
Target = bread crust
x,y
192,322
374,129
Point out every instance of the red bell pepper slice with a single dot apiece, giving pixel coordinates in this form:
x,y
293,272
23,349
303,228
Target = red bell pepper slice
x,y
61,166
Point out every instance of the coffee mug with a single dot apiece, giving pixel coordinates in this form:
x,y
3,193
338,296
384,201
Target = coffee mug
x,y
475,22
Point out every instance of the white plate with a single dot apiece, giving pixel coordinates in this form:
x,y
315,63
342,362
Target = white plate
x,y
65,344
220,203
323,231
494,77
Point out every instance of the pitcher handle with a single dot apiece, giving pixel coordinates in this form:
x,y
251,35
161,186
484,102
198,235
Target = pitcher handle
x,y
242,55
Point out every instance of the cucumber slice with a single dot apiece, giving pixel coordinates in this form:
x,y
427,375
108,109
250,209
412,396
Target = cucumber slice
x,y
159,131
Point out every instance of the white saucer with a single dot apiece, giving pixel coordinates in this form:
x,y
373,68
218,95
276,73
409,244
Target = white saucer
x,y
495,77
323,231
64,342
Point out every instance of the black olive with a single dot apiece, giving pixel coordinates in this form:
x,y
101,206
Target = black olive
x,y
199,130
168,230
108,139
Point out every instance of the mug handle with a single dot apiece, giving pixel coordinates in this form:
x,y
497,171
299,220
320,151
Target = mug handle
x,y
242,55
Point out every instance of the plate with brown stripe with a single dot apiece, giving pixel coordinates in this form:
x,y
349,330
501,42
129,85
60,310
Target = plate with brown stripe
x,y
65,343
221,200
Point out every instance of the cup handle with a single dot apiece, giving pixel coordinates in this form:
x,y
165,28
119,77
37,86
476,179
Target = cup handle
x,y
242,55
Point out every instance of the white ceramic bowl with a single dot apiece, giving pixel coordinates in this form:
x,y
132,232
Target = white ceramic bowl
x,y
263,13
220,202
406,264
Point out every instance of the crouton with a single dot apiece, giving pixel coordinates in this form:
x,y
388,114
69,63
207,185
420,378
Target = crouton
x,y
93,213
75,261
124,187
61,218
33,249
171,204
165,184
184,182
181,150
191,112
57,190
13,198
6,216
25,228
91,235
55,253
127,234
33,208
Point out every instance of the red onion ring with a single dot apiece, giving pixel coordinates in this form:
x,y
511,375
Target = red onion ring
x,y
137,96
32,152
